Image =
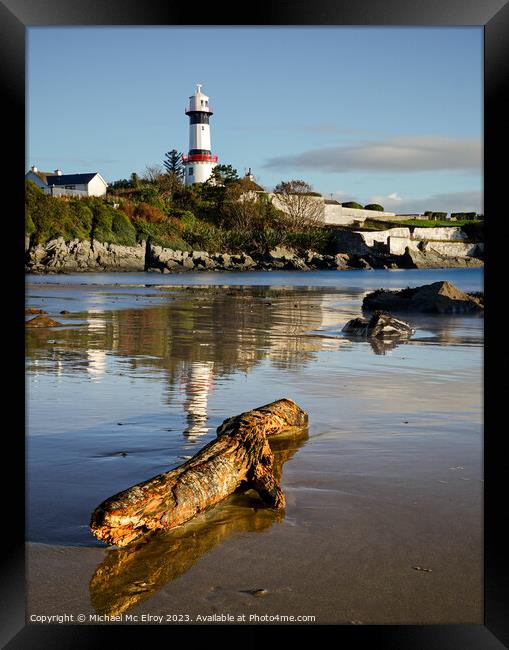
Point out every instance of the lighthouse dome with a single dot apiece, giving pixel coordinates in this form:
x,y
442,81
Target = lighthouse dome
x,y
199,101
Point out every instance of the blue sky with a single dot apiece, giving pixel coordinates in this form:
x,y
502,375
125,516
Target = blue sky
x,y
393,115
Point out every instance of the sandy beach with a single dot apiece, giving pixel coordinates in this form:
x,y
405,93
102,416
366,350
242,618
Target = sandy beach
x,y
353,547
383,523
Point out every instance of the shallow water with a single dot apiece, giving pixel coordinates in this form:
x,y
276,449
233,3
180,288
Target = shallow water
x,y
139,377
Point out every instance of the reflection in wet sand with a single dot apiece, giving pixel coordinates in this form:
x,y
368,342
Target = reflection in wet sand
x,y
130,575
218,332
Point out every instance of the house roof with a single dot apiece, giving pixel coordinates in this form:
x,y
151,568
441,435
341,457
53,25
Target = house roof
x,y
41,175
70,179
332,201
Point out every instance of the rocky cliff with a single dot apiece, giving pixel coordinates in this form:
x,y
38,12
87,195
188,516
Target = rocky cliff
x,y
59,256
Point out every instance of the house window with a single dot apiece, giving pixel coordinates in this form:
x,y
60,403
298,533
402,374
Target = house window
x,y
202,102
203,128
190,171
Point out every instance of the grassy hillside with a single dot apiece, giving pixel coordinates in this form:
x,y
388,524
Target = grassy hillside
x,y
169,214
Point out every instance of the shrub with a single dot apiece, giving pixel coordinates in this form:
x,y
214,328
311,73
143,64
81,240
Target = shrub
x,y
203,236
102,222
148,194
148,213
374,206
269,238
123,230
29,224
236,240
160,234
464,216
352,204
317,240
112,226
50,217
127,207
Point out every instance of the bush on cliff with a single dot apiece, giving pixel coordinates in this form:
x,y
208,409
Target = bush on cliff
x,y
29,224
166,234
203,236
111,226
352,204
47,217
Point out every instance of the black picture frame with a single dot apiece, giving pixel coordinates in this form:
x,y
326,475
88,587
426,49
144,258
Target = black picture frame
x,y
15,17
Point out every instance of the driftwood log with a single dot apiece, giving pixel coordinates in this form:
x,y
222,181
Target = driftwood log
x,y
239,456
130,575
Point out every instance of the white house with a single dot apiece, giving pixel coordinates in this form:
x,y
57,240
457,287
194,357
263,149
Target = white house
x,y
58,184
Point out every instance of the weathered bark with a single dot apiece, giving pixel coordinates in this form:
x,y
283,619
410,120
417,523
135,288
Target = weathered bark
x,y
128,576
240,455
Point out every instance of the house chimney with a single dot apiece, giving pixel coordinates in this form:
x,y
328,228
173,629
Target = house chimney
x,y
34,169
58,172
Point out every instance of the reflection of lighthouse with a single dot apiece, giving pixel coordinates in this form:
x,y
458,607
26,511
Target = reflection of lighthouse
x,y
199,163
96,366
198,384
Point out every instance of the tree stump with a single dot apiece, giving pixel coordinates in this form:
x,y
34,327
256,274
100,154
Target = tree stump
x,y
239,456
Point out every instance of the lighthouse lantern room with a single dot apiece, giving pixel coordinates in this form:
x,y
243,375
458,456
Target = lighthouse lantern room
x,y
199,162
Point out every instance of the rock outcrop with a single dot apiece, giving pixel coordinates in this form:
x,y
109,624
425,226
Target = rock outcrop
x,y
381,325
59,256
438,297
166,260
430,259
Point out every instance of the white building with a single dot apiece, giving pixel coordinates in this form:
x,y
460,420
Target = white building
x,y
199,162
58,184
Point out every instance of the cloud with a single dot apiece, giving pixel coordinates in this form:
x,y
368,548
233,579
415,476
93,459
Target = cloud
x,y
398,154
468,201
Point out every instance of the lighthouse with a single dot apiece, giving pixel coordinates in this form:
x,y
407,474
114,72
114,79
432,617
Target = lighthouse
x,y
199,162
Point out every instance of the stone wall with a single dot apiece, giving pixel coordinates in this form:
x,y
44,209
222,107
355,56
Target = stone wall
x,y
337,215
452,242
363,243
454,233
398,246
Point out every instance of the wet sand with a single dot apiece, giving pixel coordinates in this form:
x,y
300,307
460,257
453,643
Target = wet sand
x,y
398,546
383,523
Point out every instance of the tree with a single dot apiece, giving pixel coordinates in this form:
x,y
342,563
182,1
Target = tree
x,y
153,173
242,210
135,179
223,175
173,164
301,206
374,206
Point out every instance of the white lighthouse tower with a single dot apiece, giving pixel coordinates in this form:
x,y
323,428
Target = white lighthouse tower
x,y
199,162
